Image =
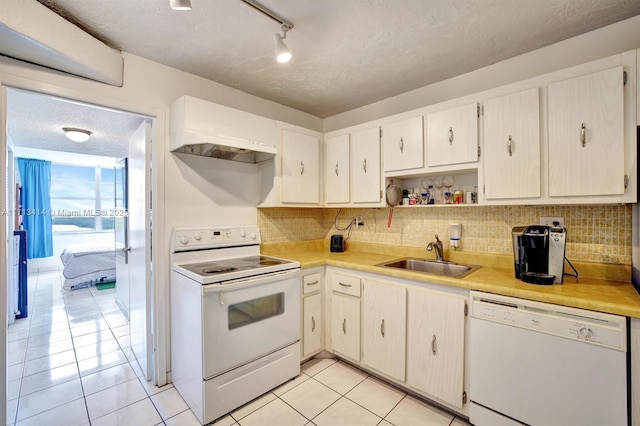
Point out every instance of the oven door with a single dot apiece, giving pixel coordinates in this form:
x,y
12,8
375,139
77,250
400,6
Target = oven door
x,y
249,318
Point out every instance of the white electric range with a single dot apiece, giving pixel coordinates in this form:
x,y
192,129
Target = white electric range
x,y
235,318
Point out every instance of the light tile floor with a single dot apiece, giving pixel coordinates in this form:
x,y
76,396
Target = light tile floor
x,y
70,363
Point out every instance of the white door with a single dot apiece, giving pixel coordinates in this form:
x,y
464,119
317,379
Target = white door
x,y
337,169
586,135
139,186
384,333
512,145
300,162
365,166
122,237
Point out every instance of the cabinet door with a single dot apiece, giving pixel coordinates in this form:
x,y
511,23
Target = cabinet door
x,y
403,145
365,166
586,135
336,172
345,326
300,160
384,328
435,342
312,324
512,146
452,136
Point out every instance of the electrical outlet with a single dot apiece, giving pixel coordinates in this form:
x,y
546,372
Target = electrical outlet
x,y
552,221
359,221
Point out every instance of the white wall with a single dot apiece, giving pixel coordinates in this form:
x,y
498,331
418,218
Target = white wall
x,y
600,43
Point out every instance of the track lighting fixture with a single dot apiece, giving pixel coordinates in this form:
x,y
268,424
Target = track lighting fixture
x,y
180,4
283,55
76,135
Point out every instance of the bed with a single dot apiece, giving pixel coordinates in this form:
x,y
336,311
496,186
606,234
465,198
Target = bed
x,y
86,265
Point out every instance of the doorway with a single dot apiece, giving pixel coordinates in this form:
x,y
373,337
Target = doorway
x,y
34,130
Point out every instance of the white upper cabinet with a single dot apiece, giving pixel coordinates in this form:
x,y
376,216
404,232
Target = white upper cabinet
x,y
365,166
452,136
300,168
336,172
512,146
586,135
403,145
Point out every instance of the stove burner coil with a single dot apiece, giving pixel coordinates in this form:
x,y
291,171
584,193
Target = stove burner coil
x,y
218,269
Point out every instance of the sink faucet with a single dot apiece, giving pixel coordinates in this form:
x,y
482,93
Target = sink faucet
x,y
437,245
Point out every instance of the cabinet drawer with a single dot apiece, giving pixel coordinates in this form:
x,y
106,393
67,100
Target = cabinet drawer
x,y
345,284
311,283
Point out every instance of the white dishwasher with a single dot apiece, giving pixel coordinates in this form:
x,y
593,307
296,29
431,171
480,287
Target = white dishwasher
x,y
540,364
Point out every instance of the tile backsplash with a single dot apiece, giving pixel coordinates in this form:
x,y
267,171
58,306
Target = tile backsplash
x,y
594,233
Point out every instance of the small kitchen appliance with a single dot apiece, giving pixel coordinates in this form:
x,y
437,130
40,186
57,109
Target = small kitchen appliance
x,y
337,243
539,253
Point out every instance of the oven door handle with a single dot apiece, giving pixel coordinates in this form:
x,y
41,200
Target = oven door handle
x,y
241,283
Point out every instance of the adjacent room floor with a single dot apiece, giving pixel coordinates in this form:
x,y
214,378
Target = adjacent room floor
x,y
70,363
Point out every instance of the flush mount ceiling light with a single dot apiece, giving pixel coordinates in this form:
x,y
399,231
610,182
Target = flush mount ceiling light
x,y
180,4
76,135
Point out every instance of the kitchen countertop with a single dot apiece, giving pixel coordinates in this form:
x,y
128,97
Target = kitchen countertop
x,y
604,288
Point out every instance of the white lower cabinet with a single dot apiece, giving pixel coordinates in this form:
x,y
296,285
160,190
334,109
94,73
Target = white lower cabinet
x,y
345,326
312,325
384,331
312,313
435,342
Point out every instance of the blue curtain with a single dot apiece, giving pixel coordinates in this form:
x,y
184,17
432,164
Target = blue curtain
x,y
36,206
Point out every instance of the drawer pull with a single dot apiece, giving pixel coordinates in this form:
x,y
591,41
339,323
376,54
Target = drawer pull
x,y
313,282
343,284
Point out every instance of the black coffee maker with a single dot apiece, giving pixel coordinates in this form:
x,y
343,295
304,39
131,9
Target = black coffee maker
x,y
539,253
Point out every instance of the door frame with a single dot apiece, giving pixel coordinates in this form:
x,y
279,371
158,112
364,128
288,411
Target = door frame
x,y
159,307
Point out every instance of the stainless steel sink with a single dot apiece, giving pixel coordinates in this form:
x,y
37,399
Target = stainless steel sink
x,y
446,269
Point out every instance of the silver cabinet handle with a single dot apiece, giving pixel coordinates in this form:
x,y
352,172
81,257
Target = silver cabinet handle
x,y
450,135
336,169
382,328
364,165
313,282
401,144
344,326
583,134
313,323
509,148
301,168
434,345
343,284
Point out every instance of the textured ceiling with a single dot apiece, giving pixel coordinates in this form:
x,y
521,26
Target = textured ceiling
x,y
346,53
36,121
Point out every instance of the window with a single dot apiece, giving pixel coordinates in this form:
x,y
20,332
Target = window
x,y
82,198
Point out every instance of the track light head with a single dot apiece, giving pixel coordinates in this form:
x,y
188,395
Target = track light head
x,y
180,4
283,55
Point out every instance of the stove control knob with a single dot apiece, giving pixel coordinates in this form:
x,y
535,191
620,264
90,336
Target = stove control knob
x,y
253,236
197,236
243,233
184,239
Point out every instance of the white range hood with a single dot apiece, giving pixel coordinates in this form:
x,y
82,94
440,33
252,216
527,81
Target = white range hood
x,y
203,128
